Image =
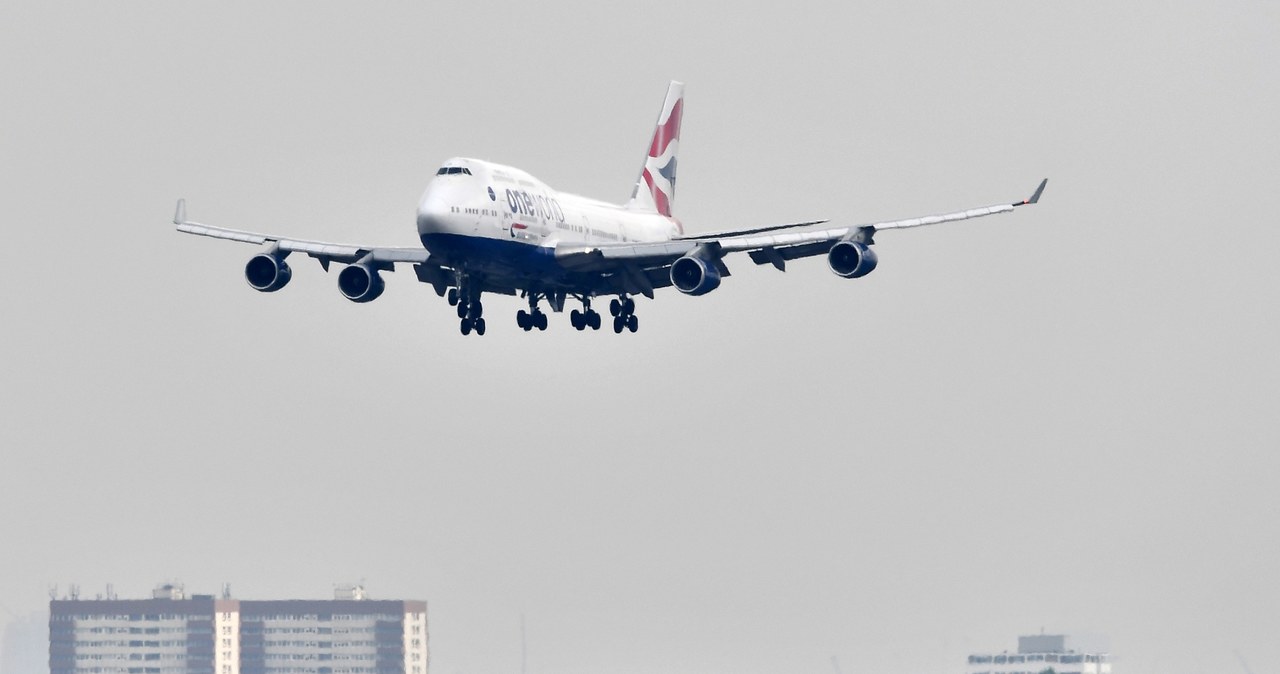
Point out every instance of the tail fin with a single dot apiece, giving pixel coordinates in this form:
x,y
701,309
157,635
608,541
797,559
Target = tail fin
x,y
656,187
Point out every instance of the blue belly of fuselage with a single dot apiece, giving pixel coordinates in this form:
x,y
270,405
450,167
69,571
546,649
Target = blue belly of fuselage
x,y
493,256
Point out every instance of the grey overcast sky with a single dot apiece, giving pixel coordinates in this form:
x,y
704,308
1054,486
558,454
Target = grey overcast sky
x,y
1062,418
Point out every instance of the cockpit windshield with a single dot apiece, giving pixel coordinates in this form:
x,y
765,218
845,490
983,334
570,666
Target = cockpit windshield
x,y
452,170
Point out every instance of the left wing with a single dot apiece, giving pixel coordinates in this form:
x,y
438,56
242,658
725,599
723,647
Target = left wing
x,y
773,249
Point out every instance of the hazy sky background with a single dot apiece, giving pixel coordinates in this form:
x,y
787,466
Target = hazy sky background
x,y
1062,418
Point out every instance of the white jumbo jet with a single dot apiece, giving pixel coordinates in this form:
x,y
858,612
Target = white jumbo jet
x,y
488,228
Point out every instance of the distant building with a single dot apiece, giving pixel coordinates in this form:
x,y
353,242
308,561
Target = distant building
x,y
1041,653
23,649
173,634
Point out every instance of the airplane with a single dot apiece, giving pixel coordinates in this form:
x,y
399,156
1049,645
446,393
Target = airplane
x,y
489,228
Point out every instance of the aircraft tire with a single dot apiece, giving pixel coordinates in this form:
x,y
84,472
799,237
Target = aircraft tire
x,y
618,322
453,297
615,307
542,321
628,306
462,309
480,326
633,323
465,326
593,319
522,319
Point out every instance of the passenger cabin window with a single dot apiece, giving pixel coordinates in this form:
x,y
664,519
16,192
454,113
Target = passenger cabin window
x,y
453,170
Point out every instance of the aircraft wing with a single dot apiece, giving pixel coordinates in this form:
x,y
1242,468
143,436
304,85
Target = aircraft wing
x,y
771,248
325,252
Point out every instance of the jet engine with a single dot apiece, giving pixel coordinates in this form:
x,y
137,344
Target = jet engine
x,y
360,283
851,259
694,276
267,273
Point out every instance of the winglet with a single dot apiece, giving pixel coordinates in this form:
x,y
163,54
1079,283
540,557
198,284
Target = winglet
x,y
1035,197
180,214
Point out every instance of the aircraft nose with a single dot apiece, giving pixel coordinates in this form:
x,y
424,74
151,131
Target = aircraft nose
x,y
433,214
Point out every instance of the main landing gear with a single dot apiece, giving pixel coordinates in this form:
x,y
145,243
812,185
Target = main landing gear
x,y
533,318
470,311
587,318
623,310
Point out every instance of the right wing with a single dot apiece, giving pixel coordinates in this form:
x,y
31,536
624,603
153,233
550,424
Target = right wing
x,y
368,260
320,250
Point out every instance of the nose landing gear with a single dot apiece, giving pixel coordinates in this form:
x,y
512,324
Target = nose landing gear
x,y
470,309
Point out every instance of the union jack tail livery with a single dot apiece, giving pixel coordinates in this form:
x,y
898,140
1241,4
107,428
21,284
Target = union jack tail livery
x,y
655,190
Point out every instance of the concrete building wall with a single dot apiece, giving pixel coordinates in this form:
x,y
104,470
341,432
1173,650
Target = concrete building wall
x,y
25,646
1039,653
417,655
226,635
150,636
332,637
207,636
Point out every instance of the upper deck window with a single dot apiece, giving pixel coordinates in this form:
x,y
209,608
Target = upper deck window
x,y
453,170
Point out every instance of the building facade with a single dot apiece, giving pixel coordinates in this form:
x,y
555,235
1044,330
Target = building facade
x,y
1038,654
342,636
171,634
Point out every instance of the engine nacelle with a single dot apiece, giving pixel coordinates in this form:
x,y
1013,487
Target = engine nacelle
x,y
360,284
267,273
694,276
851,259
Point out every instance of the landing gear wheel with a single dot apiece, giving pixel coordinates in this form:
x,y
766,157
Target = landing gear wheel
x,y
593,319
618,323
480,326
453,297
466,326
476,309
541,319
628,306
577,319
462,309
633,323
522,320
615,307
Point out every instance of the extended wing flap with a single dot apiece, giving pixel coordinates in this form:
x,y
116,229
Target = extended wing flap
x,y
578,257
333,251
778,257
939,219
220,233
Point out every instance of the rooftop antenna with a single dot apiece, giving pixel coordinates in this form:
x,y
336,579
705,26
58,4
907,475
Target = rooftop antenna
x,y
226,590
111,591
53,592
835,664
75,592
